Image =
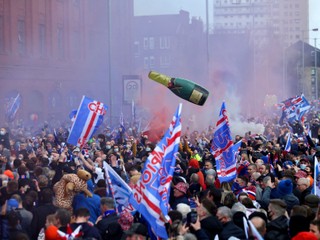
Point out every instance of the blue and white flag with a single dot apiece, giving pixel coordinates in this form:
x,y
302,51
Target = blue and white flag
x,y
150,195
119,188
13,107
88,119
293,109
288,144
222,148
316,178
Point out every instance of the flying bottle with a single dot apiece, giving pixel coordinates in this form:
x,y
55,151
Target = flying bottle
x,y
183,88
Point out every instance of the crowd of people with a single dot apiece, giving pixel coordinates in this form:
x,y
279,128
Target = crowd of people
x,y
273,192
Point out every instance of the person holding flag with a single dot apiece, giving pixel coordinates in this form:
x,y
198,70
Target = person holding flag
x,y
222,148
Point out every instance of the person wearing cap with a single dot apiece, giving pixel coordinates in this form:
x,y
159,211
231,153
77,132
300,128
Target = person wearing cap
x,y
137,231
179,195
26,216
277,228
313,202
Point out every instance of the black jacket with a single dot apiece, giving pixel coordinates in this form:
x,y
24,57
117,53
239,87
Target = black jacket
x,y
277,229
39,218
88,231
211,226
108,226
231,230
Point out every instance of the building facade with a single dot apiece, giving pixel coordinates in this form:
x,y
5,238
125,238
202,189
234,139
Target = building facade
x,y
52,52
284,19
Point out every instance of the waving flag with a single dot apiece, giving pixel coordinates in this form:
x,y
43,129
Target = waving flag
x,y
316,182
13,107
119,189
222,148
294,108
88,119
288,144
151,194
72,115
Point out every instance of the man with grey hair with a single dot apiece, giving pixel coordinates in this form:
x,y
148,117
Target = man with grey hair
x,y
277,228
106,222
224,215
303,186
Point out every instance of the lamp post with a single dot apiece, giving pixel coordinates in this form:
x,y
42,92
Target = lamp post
x,y
315,67
315,63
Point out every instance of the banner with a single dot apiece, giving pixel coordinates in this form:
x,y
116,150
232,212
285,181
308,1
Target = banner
x,y
151,194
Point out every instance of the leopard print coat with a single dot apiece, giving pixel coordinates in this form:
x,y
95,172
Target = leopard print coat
x,y
63,197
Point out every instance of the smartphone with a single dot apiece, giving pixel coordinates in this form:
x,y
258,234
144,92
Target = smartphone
x,y
192,217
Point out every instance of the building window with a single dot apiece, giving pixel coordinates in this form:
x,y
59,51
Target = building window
x,y
1,35
42,40
164,42
151,62
164,61
146,62
136,48
60,42
145,43
21,37
151,42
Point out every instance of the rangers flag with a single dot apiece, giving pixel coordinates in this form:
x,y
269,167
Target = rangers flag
x,y
88,119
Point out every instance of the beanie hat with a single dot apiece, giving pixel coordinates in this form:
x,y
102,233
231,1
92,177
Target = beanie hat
x,y
184,209
51,233
301,174
305,236
312,201
285,187
182,187
194,163
12,204
125,220
9,174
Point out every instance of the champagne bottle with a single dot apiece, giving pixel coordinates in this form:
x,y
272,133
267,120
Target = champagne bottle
x,y
183,88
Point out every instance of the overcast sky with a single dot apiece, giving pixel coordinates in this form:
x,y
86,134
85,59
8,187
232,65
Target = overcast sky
x,y
197,9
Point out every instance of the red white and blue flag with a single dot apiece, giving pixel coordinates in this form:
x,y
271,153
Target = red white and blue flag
x,y
222,148
150,195
88,119
293,109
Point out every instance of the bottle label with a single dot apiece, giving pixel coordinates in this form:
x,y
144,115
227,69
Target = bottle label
x,y
195,96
